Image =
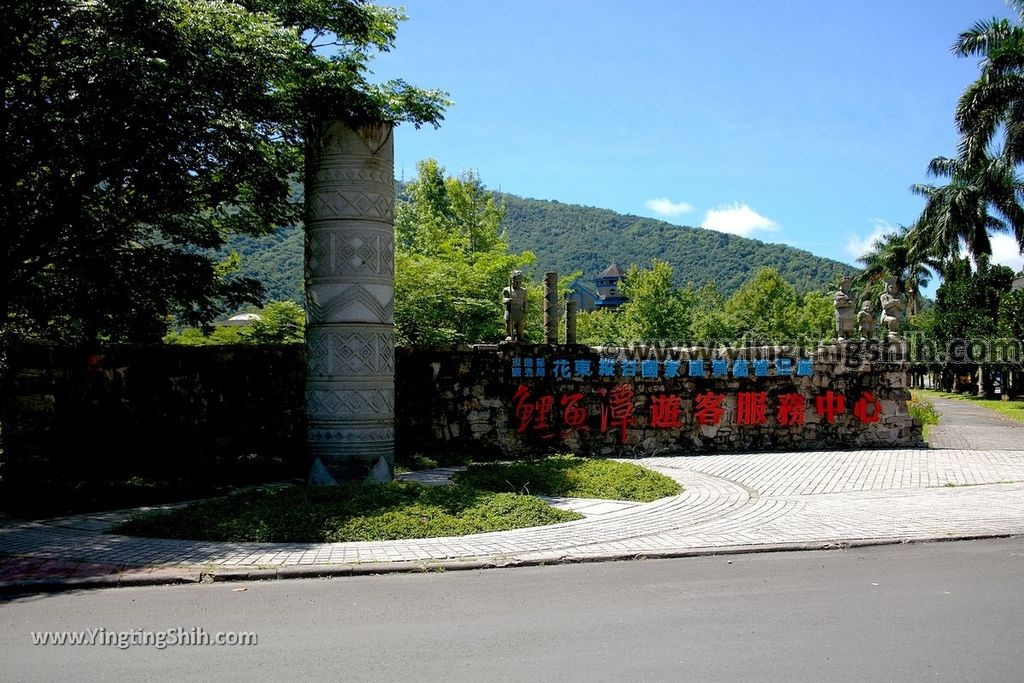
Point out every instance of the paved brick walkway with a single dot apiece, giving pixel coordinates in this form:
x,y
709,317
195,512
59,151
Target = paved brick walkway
x,y
730,501
965,425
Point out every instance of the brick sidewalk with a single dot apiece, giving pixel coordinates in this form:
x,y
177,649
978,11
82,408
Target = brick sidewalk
x,y
965,425
757,499
750,500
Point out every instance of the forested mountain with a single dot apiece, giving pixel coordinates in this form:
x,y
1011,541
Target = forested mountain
x,y
274,260
568,237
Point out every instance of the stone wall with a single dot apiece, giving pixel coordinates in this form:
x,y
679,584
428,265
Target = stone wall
x,y
496,402
164,413
201,411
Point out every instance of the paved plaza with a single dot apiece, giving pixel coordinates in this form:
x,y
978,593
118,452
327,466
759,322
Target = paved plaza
x,y
969,484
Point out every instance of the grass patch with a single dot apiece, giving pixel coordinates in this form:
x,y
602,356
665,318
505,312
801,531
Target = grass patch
x,y
1013,409
571,477
414,462
295,514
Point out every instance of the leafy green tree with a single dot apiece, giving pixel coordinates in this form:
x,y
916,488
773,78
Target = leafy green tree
x,y
764,308
967,303
656,310
709,323
1011,314
451,261
815,318
193,336
445,215
967,308
281,322
984,189
135,135
599,328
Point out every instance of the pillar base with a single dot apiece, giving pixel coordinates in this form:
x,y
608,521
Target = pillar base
x,y
350,469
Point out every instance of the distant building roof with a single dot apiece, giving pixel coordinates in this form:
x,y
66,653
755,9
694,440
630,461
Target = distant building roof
x,y
612,271
584,298
577,287
1018,283
241,319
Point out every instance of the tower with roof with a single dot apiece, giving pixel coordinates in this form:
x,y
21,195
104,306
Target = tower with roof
x,y
609,292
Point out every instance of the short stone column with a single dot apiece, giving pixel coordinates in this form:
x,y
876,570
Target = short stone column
x,y
570,321
350,282
550,308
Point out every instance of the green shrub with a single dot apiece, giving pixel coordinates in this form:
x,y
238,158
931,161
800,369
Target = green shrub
x,y
923,410
571,477
295,514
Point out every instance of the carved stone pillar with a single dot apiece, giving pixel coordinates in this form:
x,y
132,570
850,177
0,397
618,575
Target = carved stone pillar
x,y
350,283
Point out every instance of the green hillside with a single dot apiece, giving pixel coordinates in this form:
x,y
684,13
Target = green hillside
x,y
568,237
274,260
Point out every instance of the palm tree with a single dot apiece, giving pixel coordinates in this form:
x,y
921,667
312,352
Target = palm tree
x,y
892,255
991,106
995,99
981,197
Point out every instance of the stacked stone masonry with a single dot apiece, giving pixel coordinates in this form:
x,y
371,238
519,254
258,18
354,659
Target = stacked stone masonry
x,y
90,409
490,400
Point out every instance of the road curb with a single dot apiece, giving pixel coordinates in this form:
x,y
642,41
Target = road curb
x,y
174,576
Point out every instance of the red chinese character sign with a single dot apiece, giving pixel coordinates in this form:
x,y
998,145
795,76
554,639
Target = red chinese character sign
x,y
633,401
708,408
533,414
751,407
666,411
868,409
617,410
573,415
830,404
792,410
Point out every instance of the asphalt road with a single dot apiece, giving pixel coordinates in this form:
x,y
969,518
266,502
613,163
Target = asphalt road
x,y
942,611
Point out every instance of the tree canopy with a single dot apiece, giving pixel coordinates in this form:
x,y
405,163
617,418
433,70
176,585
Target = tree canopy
x,y
135,135
451,260
892,254
766,309
984,190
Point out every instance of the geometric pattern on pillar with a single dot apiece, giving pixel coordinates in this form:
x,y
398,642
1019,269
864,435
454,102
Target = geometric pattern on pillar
x,y
350,284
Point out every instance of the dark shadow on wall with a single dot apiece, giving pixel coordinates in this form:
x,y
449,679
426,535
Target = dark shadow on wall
x,y
120,426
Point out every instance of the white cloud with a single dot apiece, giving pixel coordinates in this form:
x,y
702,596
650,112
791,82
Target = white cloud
x,y
1006,252
857,246
737,219
666,207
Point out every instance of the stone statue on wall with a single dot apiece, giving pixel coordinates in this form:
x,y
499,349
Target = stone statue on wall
x,y
514,299
892,307
844,310
866,320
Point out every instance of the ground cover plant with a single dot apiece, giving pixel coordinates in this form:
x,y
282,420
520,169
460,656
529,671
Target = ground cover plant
x,y
571,477
347,513
1012,409
923,410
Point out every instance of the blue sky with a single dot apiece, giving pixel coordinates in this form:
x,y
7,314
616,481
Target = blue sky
x,y
792,121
